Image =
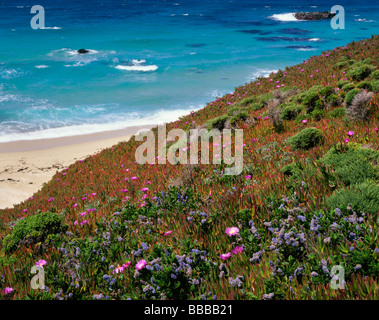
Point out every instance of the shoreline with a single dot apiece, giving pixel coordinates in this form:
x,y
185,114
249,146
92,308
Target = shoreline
x,y
26,165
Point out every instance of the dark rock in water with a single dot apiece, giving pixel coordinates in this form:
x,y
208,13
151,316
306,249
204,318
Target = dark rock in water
x,y
316,15
83,51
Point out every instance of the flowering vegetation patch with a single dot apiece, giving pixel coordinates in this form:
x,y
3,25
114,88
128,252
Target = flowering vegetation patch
x,y
306,201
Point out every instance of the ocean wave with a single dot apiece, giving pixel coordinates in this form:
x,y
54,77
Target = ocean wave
x,y
10,73
52,28
306,49
314,39
153,118
284,17
261,73
42,66
137,68
364,20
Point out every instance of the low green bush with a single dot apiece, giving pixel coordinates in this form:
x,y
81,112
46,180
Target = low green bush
x,y
360,71
217,123
364,196
337,113
317,114
375,86
350,96
375,75
243,115
364,85
341,83
333,100
353,166
35,228
348,86
290,111
305,139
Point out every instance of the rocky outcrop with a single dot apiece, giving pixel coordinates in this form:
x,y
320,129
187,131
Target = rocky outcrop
x,y
83,51
316,15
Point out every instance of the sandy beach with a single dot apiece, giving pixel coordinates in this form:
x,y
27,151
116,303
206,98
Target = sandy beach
x,y
26,165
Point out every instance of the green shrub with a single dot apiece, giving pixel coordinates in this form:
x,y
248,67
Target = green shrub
x,y
364,85
375,75
364,195
359,72
317,114
337,113
264,98
326,91
354,165
375,86
341,83
234,110
217,123
288,169
333,100
312,98
246,101
305,139
342,64
290,111
35,228
348,86
239,116
256,106
350,96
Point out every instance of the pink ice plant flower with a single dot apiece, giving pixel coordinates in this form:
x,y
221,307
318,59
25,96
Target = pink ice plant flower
x,y
40,263
225,256
304,121
346,140
145,189
237,250
168,233
141,264
232,231
350,133
8,290
248,177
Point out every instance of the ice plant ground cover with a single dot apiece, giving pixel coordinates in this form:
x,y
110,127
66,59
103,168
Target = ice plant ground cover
x,y
307,200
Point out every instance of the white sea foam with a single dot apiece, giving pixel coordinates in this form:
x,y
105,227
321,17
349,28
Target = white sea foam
x,y
284,17
52,28
137,68
42,66
306,49
10,73
261,73
314,39
157,117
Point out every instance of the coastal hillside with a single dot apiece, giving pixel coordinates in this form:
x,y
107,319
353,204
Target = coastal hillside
x,y
307,200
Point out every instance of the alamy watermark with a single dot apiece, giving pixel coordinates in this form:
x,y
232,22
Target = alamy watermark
x,y
38,21
38,281
338,277
177,153
338,21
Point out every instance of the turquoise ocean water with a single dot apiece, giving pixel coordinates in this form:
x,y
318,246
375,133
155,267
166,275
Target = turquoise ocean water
x,y
149,61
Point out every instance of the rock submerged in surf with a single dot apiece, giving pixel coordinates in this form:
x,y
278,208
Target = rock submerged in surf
x,y
81,51
316,15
